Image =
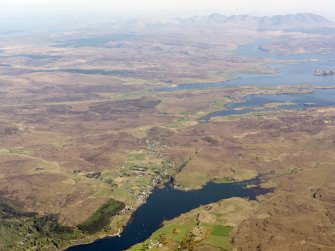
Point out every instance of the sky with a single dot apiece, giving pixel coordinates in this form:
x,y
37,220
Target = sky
x,y
187,7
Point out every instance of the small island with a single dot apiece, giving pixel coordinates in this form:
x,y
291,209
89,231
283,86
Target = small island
x,y
324,73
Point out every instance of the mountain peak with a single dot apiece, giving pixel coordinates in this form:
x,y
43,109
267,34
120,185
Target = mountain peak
x,y
277,22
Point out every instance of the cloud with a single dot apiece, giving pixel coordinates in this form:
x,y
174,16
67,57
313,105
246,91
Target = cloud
x,y
261,7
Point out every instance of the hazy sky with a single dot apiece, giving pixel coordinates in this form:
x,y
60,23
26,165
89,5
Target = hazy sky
x,y
257,7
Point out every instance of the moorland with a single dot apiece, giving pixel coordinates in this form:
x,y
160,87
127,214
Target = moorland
x,y
92,120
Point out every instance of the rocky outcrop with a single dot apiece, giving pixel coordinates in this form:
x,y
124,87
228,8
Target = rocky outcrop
x,y
324,73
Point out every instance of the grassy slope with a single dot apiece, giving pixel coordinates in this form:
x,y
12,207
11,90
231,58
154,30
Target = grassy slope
x,y
210,225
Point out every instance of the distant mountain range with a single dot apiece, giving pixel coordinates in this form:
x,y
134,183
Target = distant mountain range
x,y
279,22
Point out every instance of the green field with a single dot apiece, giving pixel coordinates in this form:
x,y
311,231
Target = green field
x,y
220,230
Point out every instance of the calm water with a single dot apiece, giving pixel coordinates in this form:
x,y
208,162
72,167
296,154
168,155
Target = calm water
x,y
287,74
168,203
318,98
120,73
97,41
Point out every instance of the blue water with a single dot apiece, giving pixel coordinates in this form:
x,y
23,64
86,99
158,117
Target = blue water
x,y
287,73
168,203
317,97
